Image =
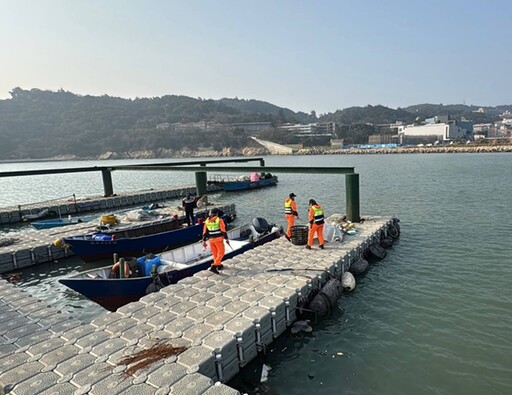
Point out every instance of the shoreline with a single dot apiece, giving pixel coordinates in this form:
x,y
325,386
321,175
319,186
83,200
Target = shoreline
x,y
247,152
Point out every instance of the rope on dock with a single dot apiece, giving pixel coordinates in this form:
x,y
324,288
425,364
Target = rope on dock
x,y
146,357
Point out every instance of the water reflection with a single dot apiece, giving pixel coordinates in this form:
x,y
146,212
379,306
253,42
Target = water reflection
x,y
41,282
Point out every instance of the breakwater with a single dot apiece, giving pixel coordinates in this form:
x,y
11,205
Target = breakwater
x,y
251,151
408,150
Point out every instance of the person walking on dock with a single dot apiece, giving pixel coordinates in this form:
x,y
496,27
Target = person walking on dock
x,y
290,212
316,224
214,230
189,203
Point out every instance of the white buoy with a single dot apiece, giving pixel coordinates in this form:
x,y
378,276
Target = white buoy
x,y
348,281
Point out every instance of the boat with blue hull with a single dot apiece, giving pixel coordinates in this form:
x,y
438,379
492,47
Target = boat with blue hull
x,y
54,223
149,273
132,241
233,184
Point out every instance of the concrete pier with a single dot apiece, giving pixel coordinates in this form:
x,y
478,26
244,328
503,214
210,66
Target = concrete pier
x,y
223,321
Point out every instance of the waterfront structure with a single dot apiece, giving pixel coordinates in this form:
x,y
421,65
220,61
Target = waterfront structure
x,y
439,128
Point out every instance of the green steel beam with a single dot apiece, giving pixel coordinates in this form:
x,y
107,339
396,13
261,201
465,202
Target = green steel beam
x,y
351,179
245,169
204,162
352,193
19,173
108,187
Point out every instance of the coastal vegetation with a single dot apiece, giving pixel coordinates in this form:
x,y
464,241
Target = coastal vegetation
x,y
40,124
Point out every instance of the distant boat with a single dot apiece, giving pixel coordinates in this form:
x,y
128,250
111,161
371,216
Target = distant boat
x,y
231,183
133,241
41,214
171,267
53,223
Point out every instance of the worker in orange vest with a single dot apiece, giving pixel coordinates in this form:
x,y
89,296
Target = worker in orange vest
x,y
214,230
316,224
290,212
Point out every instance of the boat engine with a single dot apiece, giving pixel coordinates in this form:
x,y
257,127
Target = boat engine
x,y
261,225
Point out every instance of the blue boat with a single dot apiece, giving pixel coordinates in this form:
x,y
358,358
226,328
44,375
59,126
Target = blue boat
x,y
232,184
53,223
133,241
151,273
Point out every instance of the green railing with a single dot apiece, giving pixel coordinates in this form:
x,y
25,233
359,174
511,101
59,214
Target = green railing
x,y
351,178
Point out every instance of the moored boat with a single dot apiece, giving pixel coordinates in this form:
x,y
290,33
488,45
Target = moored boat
x,y
133,241
231,184
151,272
53,223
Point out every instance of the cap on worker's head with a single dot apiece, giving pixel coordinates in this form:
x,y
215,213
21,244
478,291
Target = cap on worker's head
x,y
213,212
312,201
292,195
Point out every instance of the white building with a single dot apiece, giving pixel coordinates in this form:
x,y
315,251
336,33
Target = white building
x,y
432,131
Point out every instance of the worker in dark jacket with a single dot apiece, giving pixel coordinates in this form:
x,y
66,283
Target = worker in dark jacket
x,y
316,224
189,204
214,230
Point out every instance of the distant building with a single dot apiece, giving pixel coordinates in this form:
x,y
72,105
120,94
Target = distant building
x,y
324,129
437,131
252,127
388,128
484,129
376,139
438,128
182,127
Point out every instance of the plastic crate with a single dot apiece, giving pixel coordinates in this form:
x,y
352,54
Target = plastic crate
x,y
299,235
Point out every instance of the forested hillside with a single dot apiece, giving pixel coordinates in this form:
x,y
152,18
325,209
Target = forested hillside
x,y
43,124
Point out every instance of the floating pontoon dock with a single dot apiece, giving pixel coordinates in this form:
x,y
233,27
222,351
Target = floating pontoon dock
x,y
224,321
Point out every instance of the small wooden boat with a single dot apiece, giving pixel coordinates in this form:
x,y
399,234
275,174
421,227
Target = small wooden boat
x,y
53,223
150,273
232,183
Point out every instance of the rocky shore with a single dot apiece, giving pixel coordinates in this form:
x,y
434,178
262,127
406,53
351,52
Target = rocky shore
x,y
251,151
411,150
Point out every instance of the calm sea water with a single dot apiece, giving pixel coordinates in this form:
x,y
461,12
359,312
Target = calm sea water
x,y
434,317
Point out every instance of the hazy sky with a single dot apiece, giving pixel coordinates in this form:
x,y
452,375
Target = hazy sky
x,y
305,55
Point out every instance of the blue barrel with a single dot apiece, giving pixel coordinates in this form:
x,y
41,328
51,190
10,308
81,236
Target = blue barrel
x,y
146,264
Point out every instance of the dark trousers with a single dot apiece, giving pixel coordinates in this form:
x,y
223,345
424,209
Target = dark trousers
x,y
189,217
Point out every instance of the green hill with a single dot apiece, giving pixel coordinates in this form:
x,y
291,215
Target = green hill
x,y
43,124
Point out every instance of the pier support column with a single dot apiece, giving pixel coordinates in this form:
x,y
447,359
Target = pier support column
x,y
262,162
201,182
107,182
352,190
